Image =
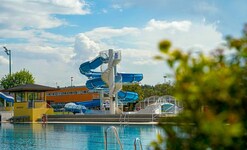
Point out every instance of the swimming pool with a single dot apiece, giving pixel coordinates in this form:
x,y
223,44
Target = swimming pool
x,y
72,136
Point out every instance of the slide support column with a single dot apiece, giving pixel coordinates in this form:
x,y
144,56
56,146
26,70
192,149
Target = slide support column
x,y
111,81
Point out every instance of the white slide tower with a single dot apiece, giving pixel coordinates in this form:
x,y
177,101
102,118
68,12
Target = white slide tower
x,y
109,76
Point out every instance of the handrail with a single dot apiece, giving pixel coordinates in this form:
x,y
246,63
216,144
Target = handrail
x,y
120,118
121,103
127,115
123,117
116,135
140,143
154,115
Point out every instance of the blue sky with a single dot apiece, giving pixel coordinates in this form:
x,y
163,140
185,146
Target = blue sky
x,y
51,38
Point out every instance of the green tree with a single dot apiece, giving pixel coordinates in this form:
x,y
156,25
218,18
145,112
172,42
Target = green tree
x,y
213,90
18,78
148,91
163,89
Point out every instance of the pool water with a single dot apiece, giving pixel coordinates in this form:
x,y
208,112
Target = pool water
x,y
72,136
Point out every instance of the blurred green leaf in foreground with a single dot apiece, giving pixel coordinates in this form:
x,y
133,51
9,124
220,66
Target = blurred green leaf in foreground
x,y
213,91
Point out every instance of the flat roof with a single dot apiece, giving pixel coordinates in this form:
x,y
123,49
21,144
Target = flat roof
x,y
30,88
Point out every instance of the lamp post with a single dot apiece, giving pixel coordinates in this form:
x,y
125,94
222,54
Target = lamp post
x,y
8,52
71,80
165,84
165,78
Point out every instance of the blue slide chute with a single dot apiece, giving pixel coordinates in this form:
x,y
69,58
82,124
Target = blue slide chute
x,y
6,97
95,80
90,104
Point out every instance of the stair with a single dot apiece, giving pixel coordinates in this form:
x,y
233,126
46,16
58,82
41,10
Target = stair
x,y
151,109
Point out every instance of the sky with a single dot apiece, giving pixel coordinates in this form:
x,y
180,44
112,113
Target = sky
x,y
51,38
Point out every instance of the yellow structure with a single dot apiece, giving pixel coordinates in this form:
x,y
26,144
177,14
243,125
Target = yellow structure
x,y
30,102
8,108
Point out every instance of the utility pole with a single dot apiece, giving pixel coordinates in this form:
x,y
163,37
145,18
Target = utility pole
x,y
8,52
165,84
71,80
165,78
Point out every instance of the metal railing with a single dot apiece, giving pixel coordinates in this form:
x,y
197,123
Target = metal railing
x,y
135,143
116,135
157,107
121,119
124,117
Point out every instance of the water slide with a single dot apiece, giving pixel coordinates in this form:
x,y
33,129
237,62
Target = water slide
x,y
95,78
90,104
7,98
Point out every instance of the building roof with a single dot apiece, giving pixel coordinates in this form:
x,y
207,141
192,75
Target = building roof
x,y
30,88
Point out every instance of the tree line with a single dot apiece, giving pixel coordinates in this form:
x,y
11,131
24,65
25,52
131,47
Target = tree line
x,y
145,91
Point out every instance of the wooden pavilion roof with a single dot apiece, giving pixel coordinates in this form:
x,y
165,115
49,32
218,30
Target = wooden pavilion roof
x,y
30,88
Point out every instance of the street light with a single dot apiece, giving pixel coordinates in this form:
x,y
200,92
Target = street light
x,y
164,78
8,52
71,79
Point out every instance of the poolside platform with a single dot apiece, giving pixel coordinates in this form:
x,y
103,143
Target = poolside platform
x,y
5,115
105,118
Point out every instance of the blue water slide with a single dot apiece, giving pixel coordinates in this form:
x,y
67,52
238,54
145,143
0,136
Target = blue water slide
x,y
90,104
6,97
126,78
85,68
127,96
130,78
97,82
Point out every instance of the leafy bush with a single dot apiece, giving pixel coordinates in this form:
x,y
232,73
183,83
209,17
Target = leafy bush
x,y
213,90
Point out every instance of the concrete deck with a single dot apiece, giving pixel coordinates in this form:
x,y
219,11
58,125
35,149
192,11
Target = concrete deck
x,y
97,119
5,115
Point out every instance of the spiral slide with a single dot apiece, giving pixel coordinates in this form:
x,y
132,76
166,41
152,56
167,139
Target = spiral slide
x,y
7,98
95,78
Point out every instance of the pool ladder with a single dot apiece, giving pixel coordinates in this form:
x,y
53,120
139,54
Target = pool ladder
x,y
124,117
137,140
116,135
140,143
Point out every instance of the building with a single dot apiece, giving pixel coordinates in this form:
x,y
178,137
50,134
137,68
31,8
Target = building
x,y
71,94
30,102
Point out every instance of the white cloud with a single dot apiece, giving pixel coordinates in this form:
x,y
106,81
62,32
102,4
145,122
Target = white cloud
x,y
85,47
108,32
49,72
38,13
53,37
23,25
117,7
164,25
64,54
205,7
55,58
24,22
3,60
34,36
138,47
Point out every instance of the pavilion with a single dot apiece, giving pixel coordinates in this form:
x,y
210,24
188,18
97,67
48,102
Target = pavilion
x,y
30,101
